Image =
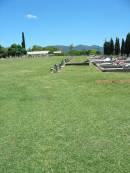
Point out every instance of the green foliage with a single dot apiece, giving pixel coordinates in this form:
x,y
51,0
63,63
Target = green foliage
x,y
83,52
117,46
107,48
23,41
93,52
74,52
123,47
111,46
16,50
51,49
98,53
110,49
3,52
127,44
36,48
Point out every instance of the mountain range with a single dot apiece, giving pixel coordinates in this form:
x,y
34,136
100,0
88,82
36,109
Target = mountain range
x,y
79,47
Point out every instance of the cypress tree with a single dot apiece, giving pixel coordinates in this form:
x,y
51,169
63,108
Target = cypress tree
x,y
111,46
123,48
117,46
127,45
107,48
23,41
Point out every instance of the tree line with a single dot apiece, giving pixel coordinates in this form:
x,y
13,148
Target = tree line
x,y
83,52
14,49
123,49
71,52
51,49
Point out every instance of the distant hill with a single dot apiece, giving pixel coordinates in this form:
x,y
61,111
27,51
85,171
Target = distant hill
x,y
79,47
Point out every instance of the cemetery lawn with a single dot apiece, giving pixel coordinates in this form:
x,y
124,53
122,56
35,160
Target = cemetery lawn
x,y
64,122
79,59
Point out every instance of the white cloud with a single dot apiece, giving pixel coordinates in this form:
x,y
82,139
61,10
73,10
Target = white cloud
x,y
31,16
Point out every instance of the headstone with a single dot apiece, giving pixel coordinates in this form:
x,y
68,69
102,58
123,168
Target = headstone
x,y
62,63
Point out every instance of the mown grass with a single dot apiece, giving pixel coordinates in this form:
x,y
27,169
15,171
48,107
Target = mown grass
x,y
79,59
64,122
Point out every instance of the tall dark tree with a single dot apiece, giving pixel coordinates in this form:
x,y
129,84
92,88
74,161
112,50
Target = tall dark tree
x,y
111,46
123,47
117,46
127,44
3,52
23,41
107,48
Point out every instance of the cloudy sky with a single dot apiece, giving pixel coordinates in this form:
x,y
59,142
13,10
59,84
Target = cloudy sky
x,y
50,22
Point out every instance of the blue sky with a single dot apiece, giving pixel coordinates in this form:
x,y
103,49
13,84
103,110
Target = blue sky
x,y
64,22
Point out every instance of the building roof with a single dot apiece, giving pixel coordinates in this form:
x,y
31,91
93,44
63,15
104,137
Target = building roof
x,y
57,52
38,53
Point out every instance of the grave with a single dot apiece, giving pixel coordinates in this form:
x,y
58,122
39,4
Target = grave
x,y
78,63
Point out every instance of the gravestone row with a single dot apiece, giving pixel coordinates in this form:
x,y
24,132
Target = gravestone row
x,y
57,67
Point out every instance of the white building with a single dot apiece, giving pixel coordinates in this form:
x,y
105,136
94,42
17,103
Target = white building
x,y
38,53
57,52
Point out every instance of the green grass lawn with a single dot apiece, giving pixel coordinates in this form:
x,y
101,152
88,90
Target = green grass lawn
x,y
79,59
64,122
